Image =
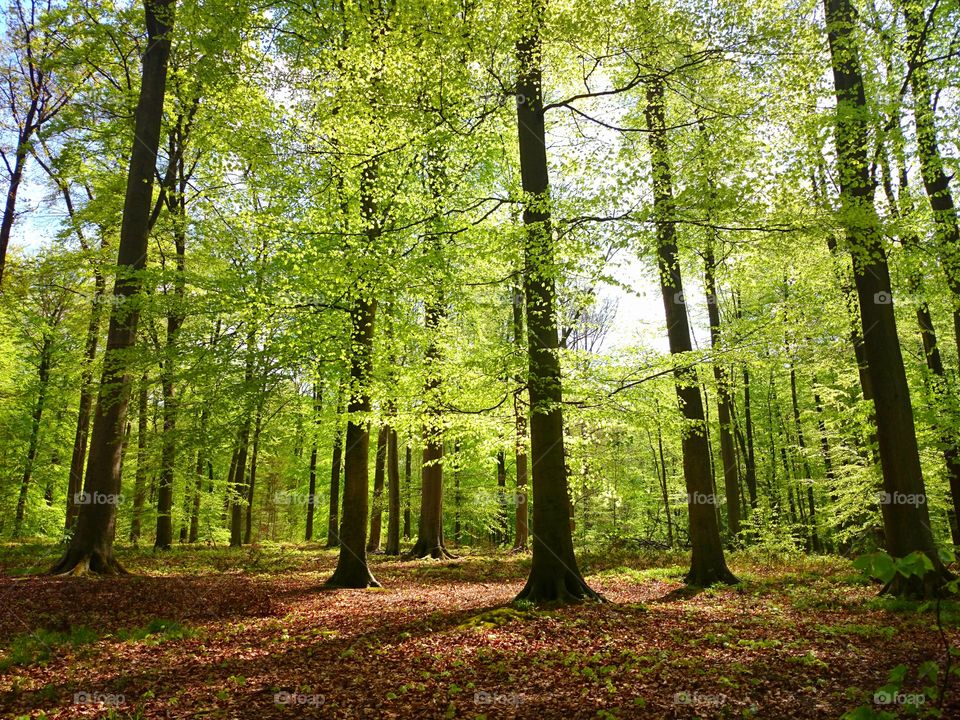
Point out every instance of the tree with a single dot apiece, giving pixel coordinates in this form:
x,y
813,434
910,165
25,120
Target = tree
x,y
707,563
554,575
906,525
31,95
91,547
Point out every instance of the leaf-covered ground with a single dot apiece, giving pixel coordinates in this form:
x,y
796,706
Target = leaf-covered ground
x,y
253,634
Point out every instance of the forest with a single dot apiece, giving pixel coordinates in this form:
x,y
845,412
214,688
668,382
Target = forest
x,y
465,358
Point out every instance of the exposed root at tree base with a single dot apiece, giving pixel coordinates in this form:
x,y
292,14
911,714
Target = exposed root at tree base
x,y
355,581
423,550
712,576
519,549
86,564
558,591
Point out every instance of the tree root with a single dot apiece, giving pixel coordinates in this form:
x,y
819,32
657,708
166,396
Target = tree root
x,y
423,550
710,576
77,564
559,590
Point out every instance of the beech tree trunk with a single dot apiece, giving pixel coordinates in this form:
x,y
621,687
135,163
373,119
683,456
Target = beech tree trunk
x,y
352,570
522,522
707,564
906,525
407,473
91,547
312,491
336,463
935,179
252,485
78,459
177,205
140,478
43,373
393,483
554,575
379,473
731,470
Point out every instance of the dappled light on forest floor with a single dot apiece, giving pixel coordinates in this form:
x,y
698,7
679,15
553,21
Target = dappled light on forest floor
x,y
251,634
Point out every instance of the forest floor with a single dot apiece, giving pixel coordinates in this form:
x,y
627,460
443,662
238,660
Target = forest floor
x,y
213,633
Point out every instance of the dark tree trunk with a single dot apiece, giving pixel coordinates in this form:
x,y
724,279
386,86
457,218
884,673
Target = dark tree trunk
x,y
43,373
352,570
379,472
901,206
16,178
238,487
521,536
906,525
393,482
707,565
502,529
251,487
407,473
808,475
935,179
312,491
554,575
731,471
91,547
78,459
140,479
336,463
176,203
457,502
663,482
198,478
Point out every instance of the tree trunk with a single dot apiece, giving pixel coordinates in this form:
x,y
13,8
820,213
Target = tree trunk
x,y
257,428
140,479
379,471
502,530
352,570
16,178
336,463
79,457
935,180
521,536
43,373
176,202
707,565
312,491
237,488
906,525
407,473
91,547
393,482
731,471
198,478
554,575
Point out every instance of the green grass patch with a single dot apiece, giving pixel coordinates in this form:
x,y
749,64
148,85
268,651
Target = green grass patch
x,y
39,646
